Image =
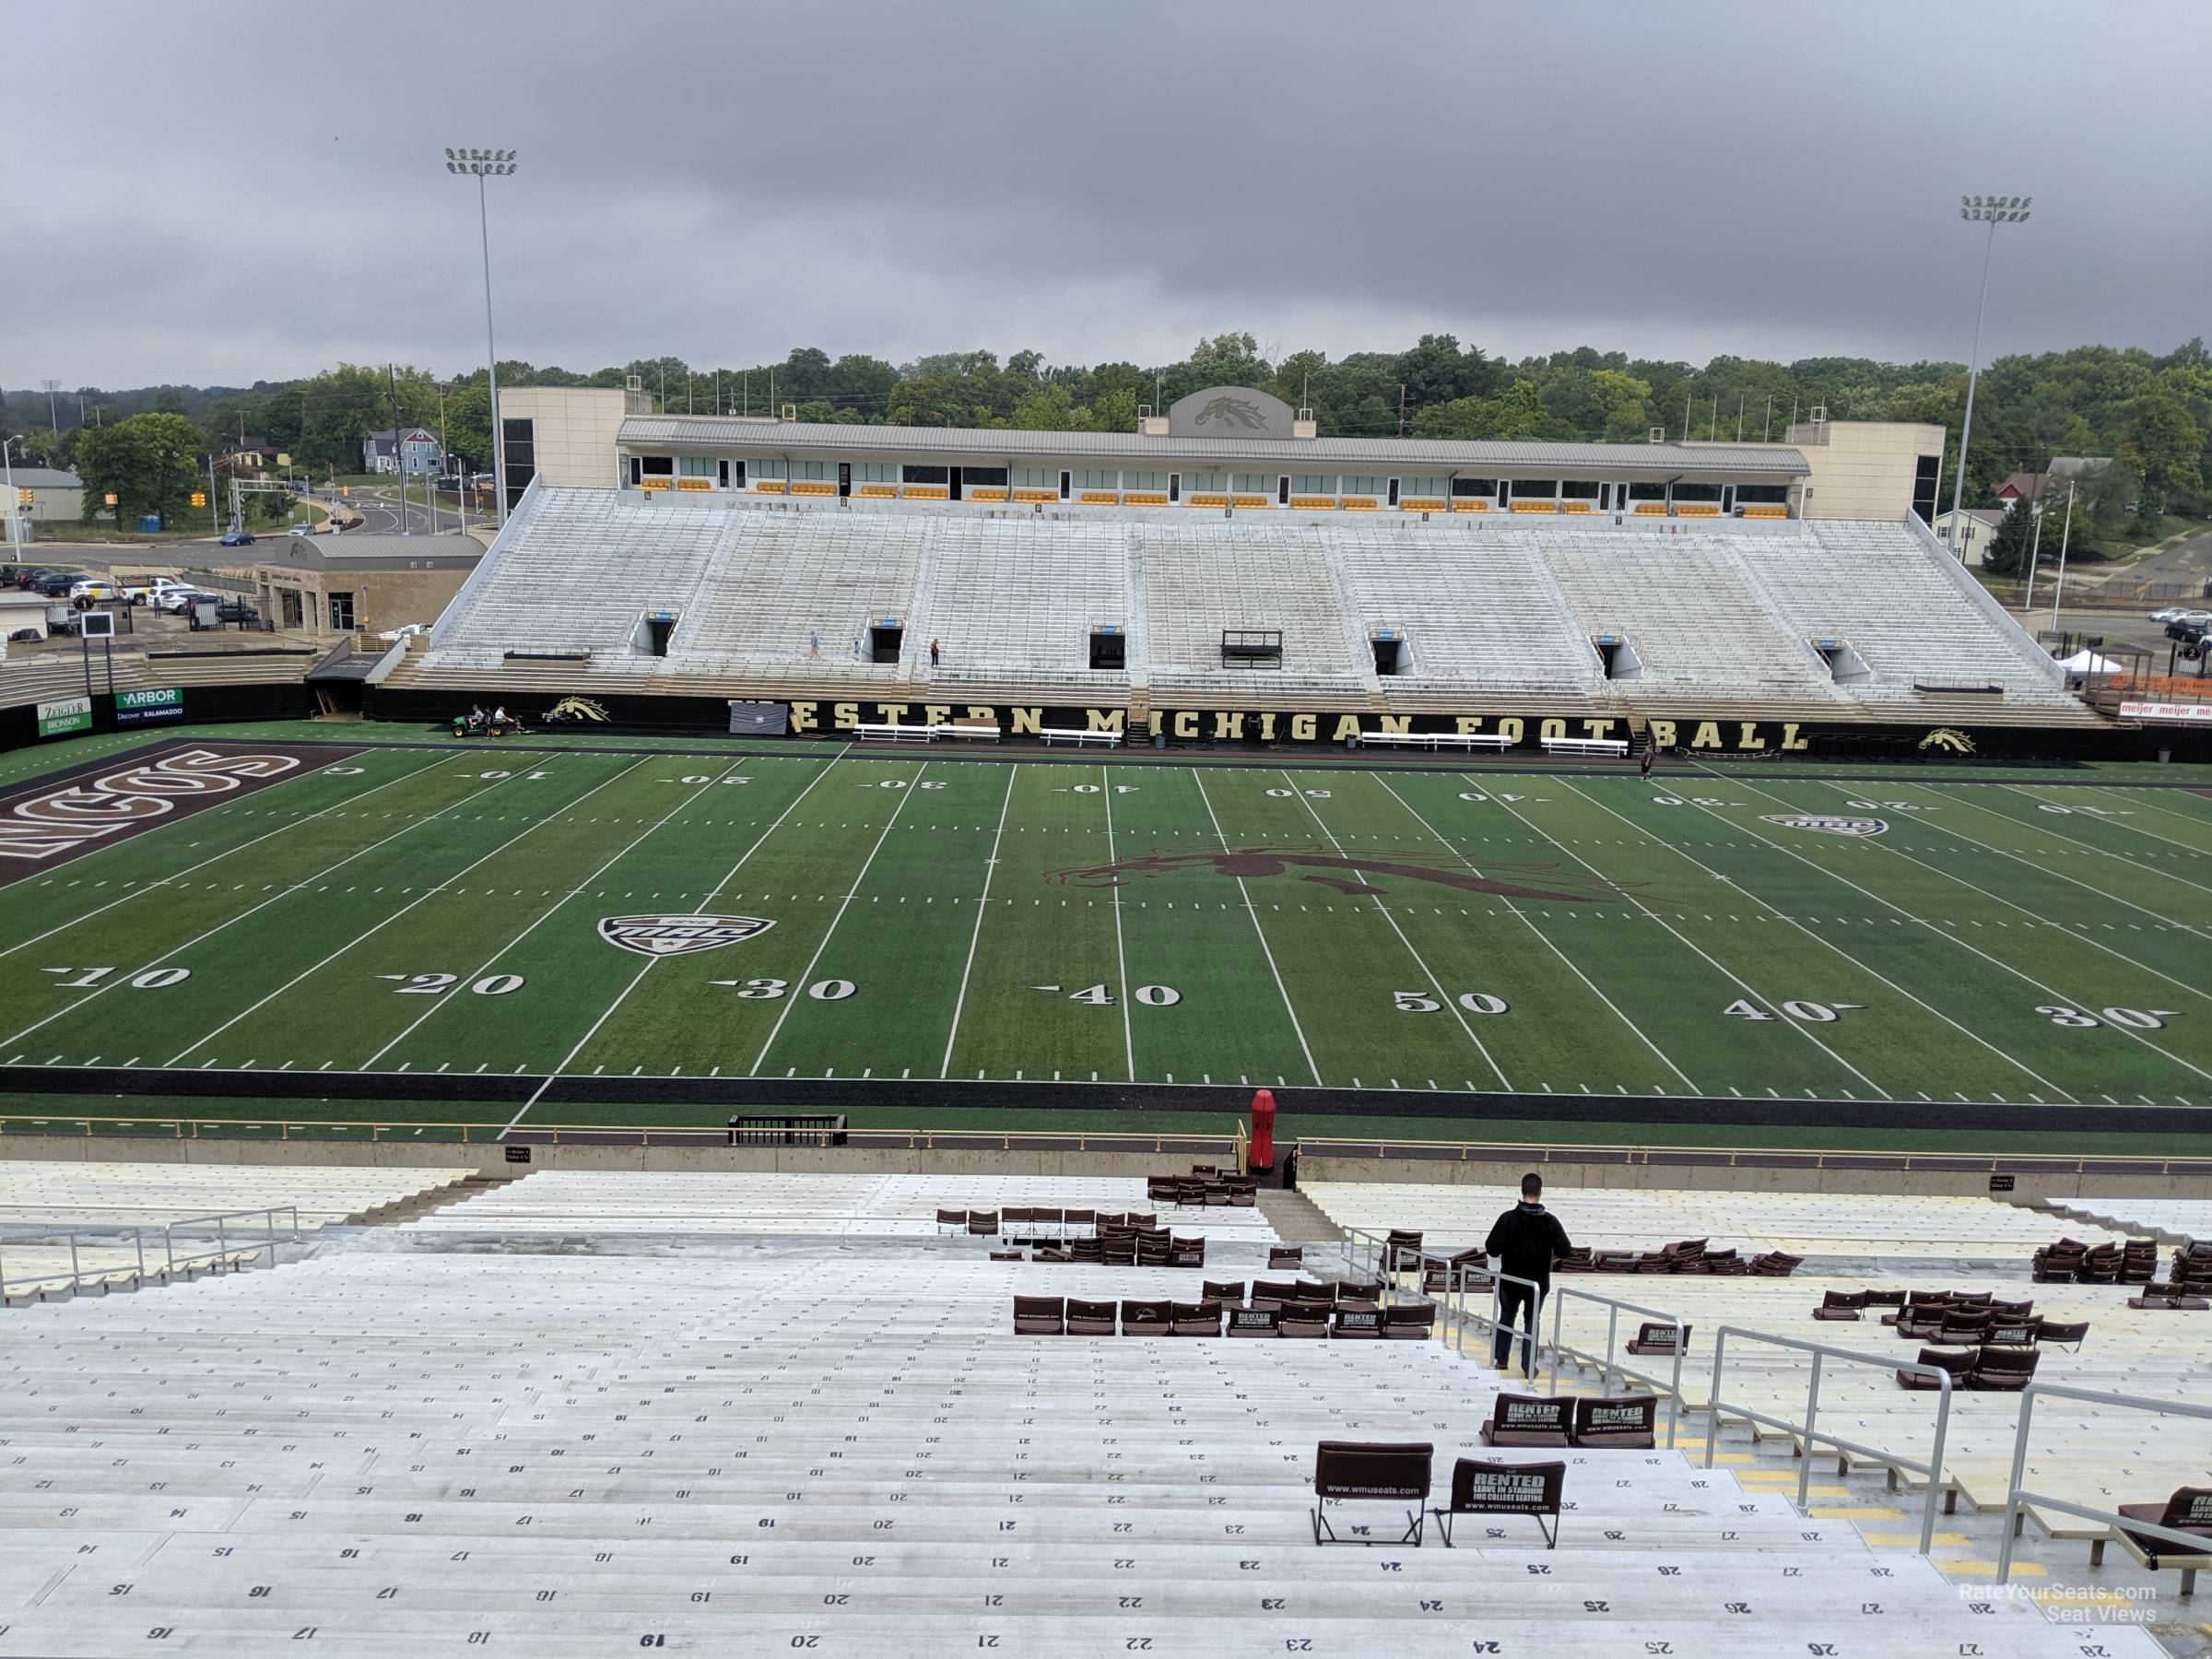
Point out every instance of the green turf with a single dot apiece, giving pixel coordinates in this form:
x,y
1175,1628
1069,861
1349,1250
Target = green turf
x,y
435,907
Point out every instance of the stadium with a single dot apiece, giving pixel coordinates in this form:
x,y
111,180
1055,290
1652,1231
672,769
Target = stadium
x,y
748,1089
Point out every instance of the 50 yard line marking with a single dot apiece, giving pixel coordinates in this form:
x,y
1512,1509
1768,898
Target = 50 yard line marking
x,y
1436,984
538,1093
1252,910
982,904
284,892
791,1002
1572,966
359,795
426,895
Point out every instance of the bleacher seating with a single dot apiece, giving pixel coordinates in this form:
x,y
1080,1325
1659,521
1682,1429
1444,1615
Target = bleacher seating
x,y
94,1192
1498,609
704,1447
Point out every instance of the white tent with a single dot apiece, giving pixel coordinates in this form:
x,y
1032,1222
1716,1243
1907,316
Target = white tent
x,y
2086,661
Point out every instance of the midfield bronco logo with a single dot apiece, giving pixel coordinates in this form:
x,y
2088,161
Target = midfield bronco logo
x,y
1348,875
678,936
1823,824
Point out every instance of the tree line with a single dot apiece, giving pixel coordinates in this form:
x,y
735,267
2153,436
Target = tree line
x,y
2152,414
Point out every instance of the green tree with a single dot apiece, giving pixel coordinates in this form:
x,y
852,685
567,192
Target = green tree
x,y
150,463
2006,553
341,406
468,428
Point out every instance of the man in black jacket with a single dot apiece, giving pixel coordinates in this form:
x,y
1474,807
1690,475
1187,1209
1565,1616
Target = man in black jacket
x,y
1523,1241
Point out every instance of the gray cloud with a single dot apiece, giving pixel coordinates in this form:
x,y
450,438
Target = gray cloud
x,y
724,183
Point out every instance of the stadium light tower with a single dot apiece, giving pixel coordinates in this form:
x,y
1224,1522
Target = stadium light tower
x,y
483,164
1992,211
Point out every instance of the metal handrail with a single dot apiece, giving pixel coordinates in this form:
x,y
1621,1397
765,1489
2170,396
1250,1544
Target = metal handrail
x,y
1563,1294
224,1249
1933,1468
1532,1335
1641,1154
77,1279
2015,1494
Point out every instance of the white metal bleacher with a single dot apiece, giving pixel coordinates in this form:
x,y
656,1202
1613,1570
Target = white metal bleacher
x,y
95,1193
779,581
569,1201
1201,580
1903,605
1481,613
1015,600
717,1452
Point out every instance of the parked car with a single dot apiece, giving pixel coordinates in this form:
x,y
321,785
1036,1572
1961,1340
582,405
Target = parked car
x,y
235,610
175,601
29,577
236,538
302,530
25,636
92,587
57,585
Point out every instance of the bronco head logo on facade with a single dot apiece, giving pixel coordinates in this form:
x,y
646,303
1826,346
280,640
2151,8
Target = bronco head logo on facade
x,y
1342,873
1232,411
1944,738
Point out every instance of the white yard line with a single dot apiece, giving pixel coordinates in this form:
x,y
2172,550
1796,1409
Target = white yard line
x,y
2092,846
1252,910
368,933
1822,939
911,790
284,892
623,995
1530,922
982,904
1771,1004
218,858
2145,795
2059,996
2073,930
1436,986
1121,957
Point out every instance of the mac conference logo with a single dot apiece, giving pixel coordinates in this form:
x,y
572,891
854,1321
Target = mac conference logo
x,y
1822,823
678,936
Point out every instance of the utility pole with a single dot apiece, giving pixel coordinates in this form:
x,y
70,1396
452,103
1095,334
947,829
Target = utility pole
x,y
215,521
1767,436
1739,416
2034,543
1998,210
479,164
1401,409
1686,413
53,420
2065,535
399,448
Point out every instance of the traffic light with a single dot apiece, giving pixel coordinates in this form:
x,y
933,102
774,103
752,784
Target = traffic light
x,y
23,496
199,498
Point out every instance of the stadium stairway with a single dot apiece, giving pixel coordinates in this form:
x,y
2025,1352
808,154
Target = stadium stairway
x,y
733,1446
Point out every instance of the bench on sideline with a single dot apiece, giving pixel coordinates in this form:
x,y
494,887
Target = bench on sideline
x,y
1079,735
869,732
1586,745
1438,740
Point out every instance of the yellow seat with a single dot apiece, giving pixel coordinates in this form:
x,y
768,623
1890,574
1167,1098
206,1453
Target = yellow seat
x,y
1357,504
1535,506
1696,510
1206,500
1143,497
926,492
1420,504
1250,502
1650,509
1767,512
652,483
1099,497
1472,504
1314,504
1574,507
1035,495
771,487
989,492
807,487
695,485
879,491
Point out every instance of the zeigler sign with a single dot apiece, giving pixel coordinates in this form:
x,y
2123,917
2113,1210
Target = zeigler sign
x,y
63,715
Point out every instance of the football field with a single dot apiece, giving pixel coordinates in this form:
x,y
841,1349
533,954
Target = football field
x,y
448,913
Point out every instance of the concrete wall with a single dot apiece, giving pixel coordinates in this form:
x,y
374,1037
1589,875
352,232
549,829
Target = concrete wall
x,y
383,599
1864,468
575,428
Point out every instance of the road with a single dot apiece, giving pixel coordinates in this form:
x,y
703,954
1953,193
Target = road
x,y
2188,563
379,506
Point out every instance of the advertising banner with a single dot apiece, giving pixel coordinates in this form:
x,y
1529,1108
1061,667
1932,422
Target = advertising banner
x,y
68,715
148,708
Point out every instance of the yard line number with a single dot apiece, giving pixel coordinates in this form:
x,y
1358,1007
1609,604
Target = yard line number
x,y
152,979
434,985
1811,1013
2134,1019
1425,1002
767,990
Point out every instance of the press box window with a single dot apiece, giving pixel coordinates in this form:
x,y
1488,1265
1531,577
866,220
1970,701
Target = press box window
x,y
874,472
698,467
925,474
652,466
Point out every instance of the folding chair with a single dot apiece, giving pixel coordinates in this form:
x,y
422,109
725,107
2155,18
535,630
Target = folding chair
x,y
1505,1488
1358,1471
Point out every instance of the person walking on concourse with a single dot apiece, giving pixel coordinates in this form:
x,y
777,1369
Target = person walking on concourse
x,y
1523,1243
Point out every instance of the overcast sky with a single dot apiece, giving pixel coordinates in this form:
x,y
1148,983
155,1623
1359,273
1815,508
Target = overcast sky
x,y
195,198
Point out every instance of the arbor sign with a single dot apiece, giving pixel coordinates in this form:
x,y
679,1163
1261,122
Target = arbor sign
x,y
148,708
68,715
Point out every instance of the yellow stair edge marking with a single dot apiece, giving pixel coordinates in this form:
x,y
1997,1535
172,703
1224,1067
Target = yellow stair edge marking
x,y
1861,1512
1988,1570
